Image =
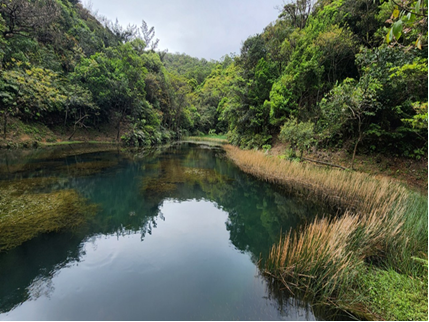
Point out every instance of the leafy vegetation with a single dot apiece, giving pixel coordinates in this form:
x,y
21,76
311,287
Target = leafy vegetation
x,y
394,296
350,73
354,71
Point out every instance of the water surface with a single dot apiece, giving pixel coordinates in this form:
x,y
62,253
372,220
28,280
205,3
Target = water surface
x,y
177,236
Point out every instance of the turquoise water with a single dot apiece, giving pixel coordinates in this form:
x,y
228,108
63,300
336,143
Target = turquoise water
x,y
177,236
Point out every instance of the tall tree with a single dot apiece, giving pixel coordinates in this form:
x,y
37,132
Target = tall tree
x,y
24,17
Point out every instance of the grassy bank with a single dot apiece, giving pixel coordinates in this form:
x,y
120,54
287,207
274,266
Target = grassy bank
x,y
341,260
219,139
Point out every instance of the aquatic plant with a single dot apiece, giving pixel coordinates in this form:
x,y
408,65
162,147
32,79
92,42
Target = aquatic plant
x,y
87,168
349,190
24,213
168,174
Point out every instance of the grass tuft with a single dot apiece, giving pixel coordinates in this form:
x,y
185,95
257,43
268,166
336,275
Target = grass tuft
x,y
383,225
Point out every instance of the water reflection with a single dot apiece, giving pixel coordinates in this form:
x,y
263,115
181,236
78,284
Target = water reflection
x,y
179,202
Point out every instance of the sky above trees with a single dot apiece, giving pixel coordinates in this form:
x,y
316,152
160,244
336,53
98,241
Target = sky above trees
x,y
199,28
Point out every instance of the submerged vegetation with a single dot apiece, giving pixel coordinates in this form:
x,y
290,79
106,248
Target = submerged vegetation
x,y
167,176
26,213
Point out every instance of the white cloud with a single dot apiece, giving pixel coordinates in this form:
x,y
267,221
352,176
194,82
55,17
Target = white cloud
x,y
199,28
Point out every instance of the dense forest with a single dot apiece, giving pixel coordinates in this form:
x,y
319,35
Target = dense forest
x,y
344,73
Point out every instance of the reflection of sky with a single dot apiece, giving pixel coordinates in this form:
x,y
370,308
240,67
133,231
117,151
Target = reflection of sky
x,y
186,269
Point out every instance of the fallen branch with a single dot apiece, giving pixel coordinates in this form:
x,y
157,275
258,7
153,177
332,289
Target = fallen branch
x,y
326,163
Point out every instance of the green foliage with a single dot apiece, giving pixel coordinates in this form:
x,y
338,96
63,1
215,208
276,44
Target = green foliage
x,y
306,65
189,67
31,91
347,104
420,120
394,296
409,18
299,134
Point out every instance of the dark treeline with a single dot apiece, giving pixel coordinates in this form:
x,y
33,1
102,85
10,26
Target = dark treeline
x,y
345,73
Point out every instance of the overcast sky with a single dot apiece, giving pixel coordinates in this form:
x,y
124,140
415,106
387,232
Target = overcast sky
x,y
200,28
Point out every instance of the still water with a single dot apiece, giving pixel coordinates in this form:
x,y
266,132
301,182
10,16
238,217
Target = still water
x,y
177,235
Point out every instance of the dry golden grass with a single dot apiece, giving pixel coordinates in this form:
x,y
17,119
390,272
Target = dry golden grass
x,y
322,258
350,190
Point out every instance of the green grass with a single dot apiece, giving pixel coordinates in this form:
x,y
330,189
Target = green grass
x,y
393,296
207,138
213,136
74,142
60,143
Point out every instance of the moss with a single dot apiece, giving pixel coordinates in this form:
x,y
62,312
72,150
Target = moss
x,y
7,169
24,213
29,185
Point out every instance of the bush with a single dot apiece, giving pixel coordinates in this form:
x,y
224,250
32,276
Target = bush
x,y
299,135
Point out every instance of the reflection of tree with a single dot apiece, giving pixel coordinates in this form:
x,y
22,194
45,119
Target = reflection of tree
x,y
302,310
257,211
130,196
32,262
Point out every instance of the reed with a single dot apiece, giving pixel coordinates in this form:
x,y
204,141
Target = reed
x,y
354,191
382,224
321,259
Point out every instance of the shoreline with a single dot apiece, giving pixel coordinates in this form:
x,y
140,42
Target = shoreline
x,y
325,260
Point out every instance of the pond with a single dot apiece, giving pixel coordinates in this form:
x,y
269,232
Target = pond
x,y
176,234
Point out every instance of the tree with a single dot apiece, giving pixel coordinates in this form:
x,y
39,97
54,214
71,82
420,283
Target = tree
x,y
350,102
148,34
24,17
178,103
299,134
297,13
29,92
123,35
78,106
116,79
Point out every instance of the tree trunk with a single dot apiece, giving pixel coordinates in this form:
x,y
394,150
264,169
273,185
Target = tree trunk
x,y
5,115
74,131
357,142
119,124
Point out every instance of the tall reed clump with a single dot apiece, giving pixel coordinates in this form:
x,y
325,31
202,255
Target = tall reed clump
x,y
321,260
350,190
383,224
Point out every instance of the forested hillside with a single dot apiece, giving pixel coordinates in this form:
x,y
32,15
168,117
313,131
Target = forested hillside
x,y
61,66
342,73
324,73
